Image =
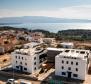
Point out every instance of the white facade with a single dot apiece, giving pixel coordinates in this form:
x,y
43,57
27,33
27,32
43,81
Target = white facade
x,y
28,59
67,45
72,63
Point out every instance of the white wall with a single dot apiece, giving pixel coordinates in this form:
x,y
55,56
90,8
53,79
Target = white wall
x,y
81,67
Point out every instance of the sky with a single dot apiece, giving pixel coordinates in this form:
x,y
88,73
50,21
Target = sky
x,y
73,9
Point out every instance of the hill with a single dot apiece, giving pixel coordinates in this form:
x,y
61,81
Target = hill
x,y
39,19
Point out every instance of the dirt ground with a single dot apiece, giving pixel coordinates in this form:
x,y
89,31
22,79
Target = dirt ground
x,y
5,60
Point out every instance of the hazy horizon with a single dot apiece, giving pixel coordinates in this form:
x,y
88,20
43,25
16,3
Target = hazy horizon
x,y
70,9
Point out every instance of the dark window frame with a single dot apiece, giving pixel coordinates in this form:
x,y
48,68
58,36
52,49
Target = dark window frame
x,y
76,69
75,75
62,61
62,67
63,73
67,62
76,63
25,69
69,68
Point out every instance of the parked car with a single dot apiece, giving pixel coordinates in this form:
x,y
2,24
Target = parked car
x,y
12,81
24,82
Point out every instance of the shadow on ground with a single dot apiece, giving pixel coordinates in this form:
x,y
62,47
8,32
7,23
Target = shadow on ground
x,y
60,80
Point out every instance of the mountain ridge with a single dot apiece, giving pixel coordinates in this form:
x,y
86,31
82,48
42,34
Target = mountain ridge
x,y
41,19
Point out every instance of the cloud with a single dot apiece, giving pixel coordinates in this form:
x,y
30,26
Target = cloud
x,y
76,12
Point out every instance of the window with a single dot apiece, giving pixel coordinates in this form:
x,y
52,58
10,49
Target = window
x,y
67,62
71,63
67,50
34,58
16,56
25,63
62,67
20,62
35,68
75,75
17,66
69,68
82,52
34,63
76,69
19,57
22,58
63,73
77,51
25,68
76,63
62,61
16,61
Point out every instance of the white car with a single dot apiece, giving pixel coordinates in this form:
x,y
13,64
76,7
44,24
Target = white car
x,y
25,82
12,81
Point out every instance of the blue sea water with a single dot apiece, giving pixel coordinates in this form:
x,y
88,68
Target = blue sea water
x,y
52,27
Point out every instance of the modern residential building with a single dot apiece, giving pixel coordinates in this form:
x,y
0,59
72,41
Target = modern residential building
x,y
67,45
30,58
72,63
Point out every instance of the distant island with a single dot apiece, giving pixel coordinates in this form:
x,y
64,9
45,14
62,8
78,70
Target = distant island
x,y
39,19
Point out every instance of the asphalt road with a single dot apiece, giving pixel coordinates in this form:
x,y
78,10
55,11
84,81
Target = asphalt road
x,y
5,78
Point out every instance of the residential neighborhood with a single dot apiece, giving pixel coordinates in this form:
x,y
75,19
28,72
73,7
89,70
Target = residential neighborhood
x,y
45,41
39,58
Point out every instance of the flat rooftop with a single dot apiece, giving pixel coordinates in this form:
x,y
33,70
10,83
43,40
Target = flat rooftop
x,y
74,53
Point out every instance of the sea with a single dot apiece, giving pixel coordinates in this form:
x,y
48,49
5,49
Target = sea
x,y
52,27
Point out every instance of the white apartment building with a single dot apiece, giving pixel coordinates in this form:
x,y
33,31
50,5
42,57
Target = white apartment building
x,y
72,63
30,58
